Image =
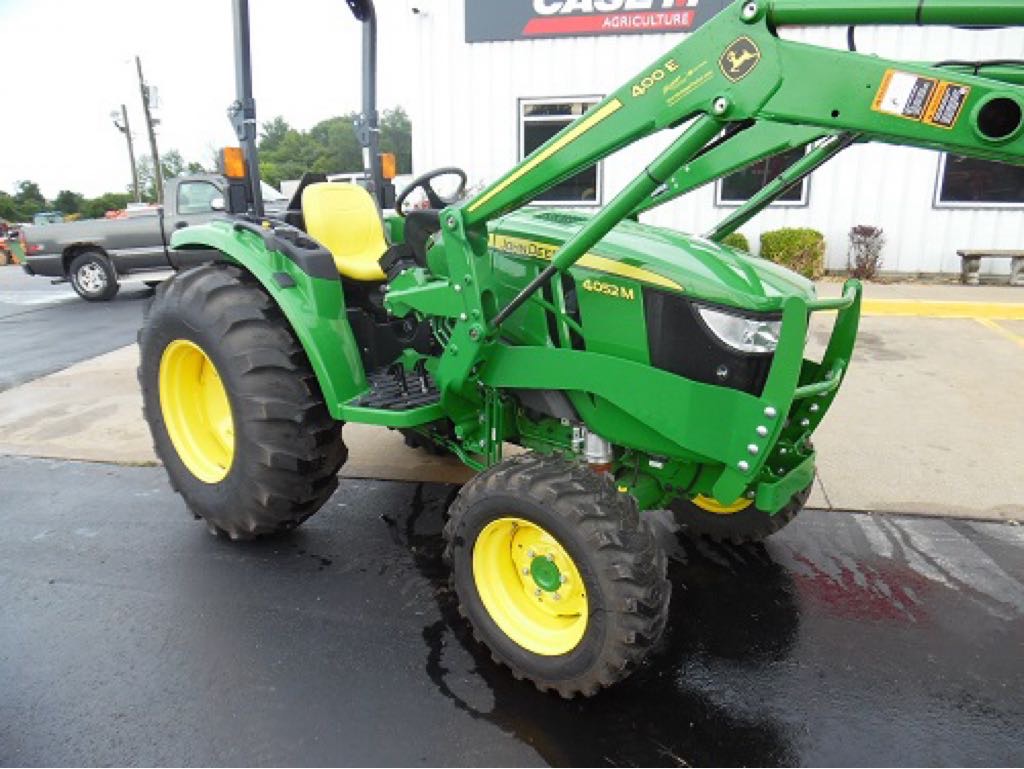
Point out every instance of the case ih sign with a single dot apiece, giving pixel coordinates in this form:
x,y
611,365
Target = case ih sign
x,y
488,20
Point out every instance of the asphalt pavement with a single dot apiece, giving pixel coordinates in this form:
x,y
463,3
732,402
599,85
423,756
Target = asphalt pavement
x,y
45,328
129,635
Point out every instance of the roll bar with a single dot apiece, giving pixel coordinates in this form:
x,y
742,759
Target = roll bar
x,y
242,111
368,124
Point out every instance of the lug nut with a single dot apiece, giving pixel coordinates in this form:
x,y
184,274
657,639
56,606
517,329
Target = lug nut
x,y
753,449
563,579
762,431
743,465
770,412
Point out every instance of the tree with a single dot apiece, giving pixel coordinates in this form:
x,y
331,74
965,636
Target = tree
x,y
171,164
97,207
68,202
273,134
329,147
29,194
396,137
9,208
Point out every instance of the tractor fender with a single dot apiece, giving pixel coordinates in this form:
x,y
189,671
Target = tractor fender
x,y
307,290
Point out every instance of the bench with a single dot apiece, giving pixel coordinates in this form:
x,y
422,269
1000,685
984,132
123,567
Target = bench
x,y
971,264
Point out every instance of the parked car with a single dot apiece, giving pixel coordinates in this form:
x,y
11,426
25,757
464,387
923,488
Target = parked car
x,y
95,254
48,217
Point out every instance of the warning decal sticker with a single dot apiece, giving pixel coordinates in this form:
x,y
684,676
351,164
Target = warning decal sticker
x,y
946,106
905,94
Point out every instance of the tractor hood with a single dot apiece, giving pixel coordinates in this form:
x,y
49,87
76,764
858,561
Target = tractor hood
x,y
668,259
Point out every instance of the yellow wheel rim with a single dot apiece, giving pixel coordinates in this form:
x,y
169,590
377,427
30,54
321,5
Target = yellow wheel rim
x,y
712,505
196,411
530,586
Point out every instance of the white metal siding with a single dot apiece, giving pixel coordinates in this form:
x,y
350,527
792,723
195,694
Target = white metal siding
x,y
463,105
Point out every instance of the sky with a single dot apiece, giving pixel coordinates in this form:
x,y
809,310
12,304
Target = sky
x,y
66,64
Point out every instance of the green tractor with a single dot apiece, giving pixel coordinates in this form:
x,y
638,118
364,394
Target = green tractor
x,y
641,369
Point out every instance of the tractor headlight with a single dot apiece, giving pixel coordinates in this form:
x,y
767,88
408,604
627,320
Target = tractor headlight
x,y
742,332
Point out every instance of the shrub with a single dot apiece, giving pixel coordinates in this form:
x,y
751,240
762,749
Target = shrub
x,y
738,241
865,255
801,250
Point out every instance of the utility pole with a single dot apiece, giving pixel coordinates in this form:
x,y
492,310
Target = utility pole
x,y
125,128
157,175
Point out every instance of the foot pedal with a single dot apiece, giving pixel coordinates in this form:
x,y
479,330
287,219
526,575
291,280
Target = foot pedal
x,y
395,389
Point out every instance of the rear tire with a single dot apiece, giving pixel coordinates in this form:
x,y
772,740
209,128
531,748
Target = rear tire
x,y
750,524
595,596
277,462
93,277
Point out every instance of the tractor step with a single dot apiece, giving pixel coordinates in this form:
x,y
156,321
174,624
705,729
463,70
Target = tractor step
x,y
396,389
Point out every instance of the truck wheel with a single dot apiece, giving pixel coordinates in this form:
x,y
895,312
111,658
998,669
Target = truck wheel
x,y
93,277
556,573
739,523
235,410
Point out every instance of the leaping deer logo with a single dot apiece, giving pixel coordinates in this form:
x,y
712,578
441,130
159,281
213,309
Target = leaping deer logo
x,y
739,59
735,62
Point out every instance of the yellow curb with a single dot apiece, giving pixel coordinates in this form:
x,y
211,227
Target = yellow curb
x,y
920,308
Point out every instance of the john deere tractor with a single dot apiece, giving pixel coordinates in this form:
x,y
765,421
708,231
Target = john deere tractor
x,y
640,368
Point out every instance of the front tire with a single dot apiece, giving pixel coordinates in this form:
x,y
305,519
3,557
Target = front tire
x,y
235,410
740,523
557,573
93,277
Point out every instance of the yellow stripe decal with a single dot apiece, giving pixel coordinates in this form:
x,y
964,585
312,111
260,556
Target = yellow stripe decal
x,y
585,125
546,251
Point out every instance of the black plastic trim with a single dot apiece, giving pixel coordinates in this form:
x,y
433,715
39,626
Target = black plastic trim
x,y
681,343
308,255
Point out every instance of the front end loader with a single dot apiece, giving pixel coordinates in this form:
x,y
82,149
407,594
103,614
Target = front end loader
x,y
635,368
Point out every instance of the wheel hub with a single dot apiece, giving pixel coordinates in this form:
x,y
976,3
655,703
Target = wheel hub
x,y
92,278
196,411
545,574
530,586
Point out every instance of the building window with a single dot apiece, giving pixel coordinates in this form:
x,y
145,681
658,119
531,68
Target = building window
x,y
972,183
736,189
542,119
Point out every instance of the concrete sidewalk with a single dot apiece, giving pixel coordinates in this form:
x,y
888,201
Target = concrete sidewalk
x,y
930,419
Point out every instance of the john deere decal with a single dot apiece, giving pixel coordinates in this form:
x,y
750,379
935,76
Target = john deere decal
x,y
739,59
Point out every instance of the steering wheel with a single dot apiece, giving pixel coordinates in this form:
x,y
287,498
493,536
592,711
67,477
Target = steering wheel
x,y
424,182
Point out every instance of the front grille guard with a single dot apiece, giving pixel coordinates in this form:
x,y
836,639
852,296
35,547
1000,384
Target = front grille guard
x,y
778,461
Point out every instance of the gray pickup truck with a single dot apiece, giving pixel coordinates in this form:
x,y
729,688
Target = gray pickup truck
x,y
96,254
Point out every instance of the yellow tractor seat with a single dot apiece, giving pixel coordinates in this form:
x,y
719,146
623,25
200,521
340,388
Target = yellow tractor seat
x,y
345,220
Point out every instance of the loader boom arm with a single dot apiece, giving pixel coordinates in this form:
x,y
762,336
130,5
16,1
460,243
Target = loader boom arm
x,y
737,72
736,68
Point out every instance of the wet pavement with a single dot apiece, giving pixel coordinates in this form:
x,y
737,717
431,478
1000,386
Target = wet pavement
x,y
128,635
46,328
